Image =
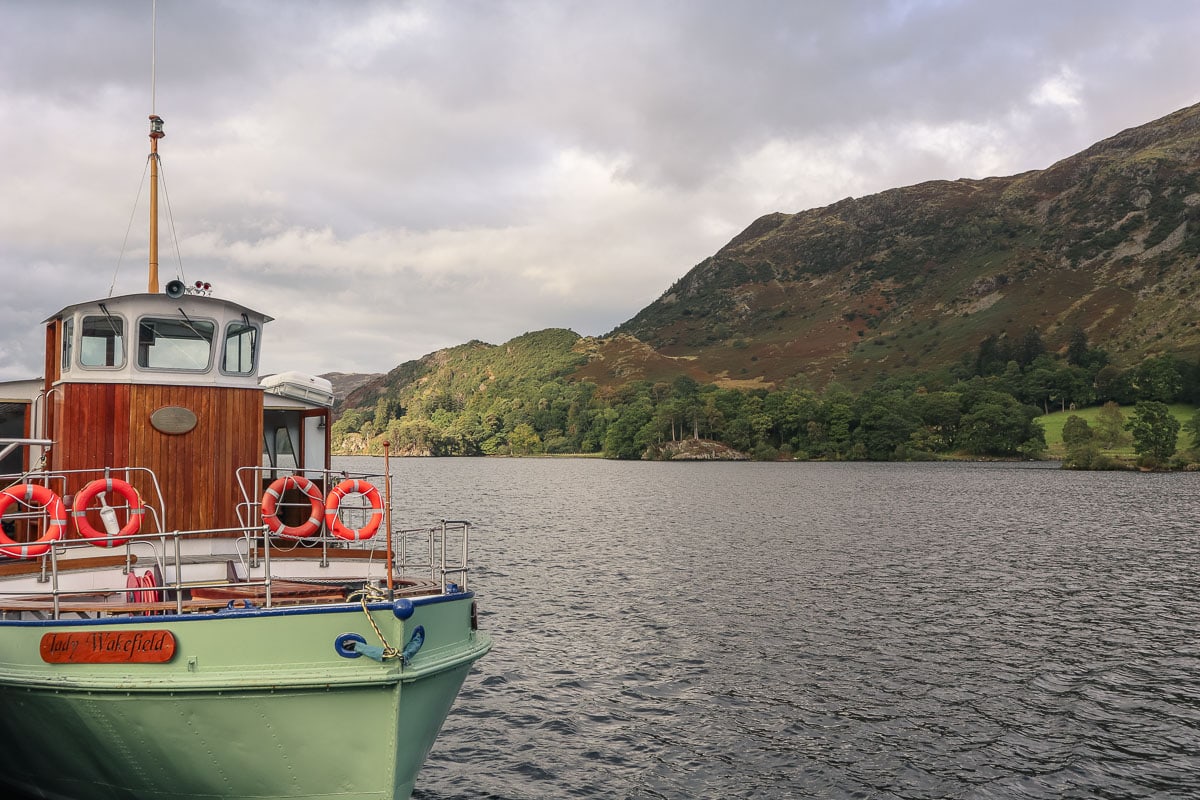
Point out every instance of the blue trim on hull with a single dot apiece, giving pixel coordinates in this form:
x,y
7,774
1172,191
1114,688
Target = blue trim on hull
x,y
243,613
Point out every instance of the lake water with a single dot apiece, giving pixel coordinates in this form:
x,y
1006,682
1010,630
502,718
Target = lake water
x,y
715,630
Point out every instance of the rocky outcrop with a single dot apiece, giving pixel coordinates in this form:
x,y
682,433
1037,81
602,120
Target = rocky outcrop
x,y
693,450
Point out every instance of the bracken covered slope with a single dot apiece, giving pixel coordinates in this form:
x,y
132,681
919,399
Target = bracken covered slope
x,y
914,278
910,279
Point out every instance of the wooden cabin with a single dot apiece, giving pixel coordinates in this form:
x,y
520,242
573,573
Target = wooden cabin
x,y
170,383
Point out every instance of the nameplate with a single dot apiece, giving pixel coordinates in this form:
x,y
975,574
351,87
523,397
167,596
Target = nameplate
x,y
108,647
173,420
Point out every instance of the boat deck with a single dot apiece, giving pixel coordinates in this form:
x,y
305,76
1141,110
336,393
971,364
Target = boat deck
x,y
203,599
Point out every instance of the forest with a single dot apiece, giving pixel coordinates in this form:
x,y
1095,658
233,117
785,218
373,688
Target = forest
x,y
984,406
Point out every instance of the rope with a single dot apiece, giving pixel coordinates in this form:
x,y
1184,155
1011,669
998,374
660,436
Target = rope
x,y
129,227
162,178
368,594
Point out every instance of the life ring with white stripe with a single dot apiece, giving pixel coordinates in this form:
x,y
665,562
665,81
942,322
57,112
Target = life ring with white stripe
x,y
51,503
102,486
270,502
334,501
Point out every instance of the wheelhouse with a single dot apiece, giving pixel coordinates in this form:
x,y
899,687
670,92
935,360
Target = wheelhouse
x,y
171,383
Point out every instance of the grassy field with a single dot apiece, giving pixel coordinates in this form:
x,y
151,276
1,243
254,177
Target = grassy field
x,y
1053,423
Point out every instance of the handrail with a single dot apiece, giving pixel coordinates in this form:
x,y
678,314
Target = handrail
x,y
183,568
437,543
13,444
155,505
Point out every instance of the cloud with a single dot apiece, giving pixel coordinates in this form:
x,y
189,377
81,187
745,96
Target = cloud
x,y
387,178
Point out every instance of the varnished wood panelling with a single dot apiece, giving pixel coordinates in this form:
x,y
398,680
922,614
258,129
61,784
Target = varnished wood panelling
x,y
109,424
53,354
200,465
87,425
53,351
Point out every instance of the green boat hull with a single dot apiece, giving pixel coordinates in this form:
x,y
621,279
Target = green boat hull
x,y
253,704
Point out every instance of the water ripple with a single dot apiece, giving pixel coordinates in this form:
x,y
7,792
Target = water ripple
x,y
823,631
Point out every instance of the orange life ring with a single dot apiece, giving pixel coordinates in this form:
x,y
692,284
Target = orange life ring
x,y
53,505
270,501
334,501
79,509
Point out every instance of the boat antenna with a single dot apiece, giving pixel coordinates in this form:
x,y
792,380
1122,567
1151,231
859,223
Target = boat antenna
x,y
156,133
153,54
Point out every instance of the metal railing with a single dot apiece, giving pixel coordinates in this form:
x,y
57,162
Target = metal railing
x,y
439,552
443,560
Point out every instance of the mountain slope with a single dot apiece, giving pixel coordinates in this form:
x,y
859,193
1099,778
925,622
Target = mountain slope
x,y
449,378
914,278
908,280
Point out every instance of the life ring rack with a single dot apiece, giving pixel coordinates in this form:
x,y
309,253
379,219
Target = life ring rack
x,y
102,486
270,505
334,501
54,508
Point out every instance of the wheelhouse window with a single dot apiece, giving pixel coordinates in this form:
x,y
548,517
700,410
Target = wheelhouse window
x,y
68,332
176,344
241,348
102,341
278,451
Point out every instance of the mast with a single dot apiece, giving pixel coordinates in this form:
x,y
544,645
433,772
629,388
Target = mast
x,y
156,133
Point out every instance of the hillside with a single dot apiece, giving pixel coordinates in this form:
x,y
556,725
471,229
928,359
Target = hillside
x,y
344,383
914,278
470,392
868,328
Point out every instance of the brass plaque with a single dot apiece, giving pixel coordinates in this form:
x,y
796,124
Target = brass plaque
x,y
173,419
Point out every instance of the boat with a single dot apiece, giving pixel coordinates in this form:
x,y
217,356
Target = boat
x,y
193,602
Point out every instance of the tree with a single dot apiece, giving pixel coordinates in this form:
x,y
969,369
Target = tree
x,y
1110,425
1158,379
621,438
886,423
1112,384
999,425
836,429
1038,388
1155,432
994,353
1070,387
350,422
415,437
939,414
686,404
524,440
1076,431
1192,426
1190,373
1077,348
1082,450
387,409
1031,347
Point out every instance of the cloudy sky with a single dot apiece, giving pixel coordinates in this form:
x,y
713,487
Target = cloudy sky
x,y
389,178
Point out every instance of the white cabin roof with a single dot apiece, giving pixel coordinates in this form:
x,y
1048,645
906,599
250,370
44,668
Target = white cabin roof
x,y
193,339
159,300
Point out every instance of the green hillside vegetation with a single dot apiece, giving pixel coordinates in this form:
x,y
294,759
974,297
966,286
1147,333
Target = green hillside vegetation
x,y
523,398
1120,448
475,399
946,319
